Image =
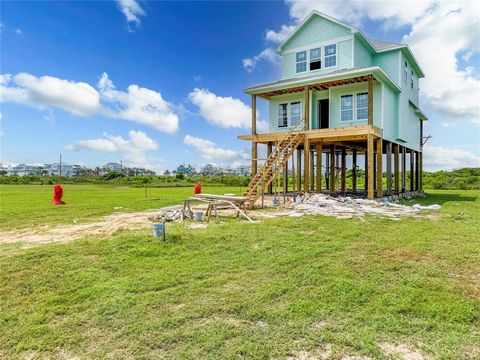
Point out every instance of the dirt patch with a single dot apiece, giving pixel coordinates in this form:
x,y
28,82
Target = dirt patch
x,y
403,351
321,353
109,225
317,325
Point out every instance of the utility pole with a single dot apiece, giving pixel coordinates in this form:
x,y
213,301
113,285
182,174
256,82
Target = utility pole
x,y
60,167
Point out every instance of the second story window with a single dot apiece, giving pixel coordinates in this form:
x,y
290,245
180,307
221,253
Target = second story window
x,y
331,55
346,108
296,112
411,79
316,59
301,58
362,106
405,72
282,115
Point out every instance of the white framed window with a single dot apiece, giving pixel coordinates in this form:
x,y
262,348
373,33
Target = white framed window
x,y
282,115
301,61
330,52
315,59
354,107
295,112
346,107
411,79
362,106
405,72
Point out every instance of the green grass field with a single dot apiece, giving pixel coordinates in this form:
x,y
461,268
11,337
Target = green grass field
x,y
239,290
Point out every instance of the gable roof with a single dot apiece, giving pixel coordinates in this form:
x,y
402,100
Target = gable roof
x,y
376,46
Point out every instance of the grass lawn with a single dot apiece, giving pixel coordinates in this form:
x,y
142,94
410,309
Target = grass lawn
x,y
31,205
238,290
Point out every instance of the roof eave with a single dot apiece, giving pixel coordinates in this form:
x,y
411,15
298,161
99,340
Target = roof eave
x,y
376,70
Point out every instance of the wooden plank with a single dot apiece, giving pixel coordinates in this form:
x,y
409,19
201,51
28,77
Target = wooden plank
x,y
389,167
269,151
306,112
370,167
319,167
231,198
370,100
354,170
254,157
312,170
285,177
306,161
396,165
416,170
379,168
344,170
366,169
327,171
254,114
412,171
299,170
331,178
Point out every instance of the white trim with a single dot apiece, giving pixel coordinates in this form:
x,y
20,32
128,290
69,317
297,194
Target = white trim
x,y
354,108
383,100
310,112
289,112
353,51
318,44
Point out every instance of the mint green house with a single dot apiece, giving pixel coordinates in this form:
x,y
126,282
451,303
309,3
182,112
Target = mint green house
x,y
341,95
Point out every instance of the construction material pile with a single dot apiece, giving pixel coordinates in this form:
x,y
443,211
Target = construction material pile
x,y
168,214
348,207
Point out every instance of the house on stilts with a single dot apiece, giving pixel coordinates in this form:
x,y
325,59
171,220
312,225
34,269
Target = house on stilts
x,y
343,99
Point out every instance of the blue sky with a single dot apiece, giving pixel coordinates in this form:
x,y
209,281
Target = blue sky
x,y
169,49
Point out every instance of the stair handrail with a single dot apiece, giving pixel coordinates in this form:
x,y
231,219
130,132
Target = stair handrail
x,y
276,153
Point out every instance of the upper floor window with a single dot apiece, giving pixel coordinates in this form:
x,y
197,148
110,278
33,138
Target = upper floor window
x,y
405,72
301,58
296,112
282,115
411,79
331,55
346,108
362,106
316,59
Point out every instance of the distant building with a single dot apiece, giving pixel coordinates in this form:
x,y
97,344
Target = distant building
x,y
26,169
113,166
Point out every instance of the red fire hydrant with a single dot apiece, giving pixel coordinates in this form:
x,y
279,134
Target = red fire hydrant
x,y
197,189
57,195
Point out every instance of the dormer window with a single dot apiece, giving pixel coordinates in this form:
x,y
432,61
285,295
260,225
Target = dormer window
x,y
301,58
316,59
331,55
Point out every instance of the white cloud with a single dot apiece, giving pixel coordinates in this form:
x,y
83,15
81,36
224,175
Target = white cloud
x,y
210,151
446,87
132,10
278,37
141,105
267,54
137,104
446,124
394,13
225,112
18,31
78,98
133,148
441,158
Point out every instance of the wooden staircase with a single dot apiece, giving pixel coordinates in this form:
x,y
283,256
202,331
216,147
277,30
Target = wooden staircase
x,y
275,162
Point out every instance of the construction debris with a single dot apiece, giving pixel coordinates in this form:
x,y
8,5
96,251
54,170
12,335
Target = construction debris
x,y
347,208
168,214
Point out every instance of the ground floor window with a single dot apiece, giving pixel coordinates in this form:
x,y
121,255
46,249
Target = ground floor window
x,y
354,107
282,115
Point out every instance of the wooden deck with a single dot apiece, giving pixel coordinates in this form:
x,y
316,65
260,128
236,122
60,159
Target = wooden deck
x,y
350,133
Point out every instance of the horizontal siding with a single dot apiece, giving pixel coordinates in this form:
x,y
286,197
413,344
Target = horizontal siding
x,y
334,105
273,107
389,63
344,50
363,56
317,29
390,113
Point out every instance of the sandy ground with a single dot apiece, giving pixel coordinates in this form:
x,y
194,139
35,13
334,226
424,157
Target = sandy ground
x,y
65,233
